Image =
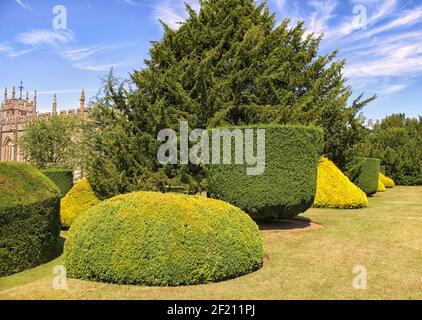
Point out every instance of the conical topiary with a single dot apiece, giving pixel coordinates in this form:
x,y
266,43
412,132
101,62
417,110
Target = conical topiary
x,y
79,199
335,190
381,186
388,182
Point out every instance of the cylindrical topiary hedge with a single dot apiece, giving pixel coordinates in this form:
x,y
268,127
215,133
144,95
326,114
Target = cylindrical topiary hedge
x,y
287,186
63,178
156,239
365,174
29,218
77,201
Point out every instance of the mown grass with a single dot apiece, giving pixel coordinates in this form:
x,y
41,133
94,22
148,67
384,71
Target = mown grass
x,y
309,263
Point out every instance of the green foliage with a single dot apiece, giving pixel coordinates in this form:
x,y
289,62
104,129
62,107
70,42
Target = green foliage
x,y
229,64
63,178
397,141
157,239
288,184
29,218
365,174
52,142
79,200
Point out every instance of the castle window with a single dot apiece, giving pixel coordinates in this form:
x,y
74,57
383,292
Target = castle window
x,y
8,150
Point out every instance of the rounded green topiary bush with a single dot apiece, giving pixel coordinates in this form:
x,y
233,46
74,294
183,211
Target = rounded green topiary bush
x,y
63,178
155,239
29,218
288,185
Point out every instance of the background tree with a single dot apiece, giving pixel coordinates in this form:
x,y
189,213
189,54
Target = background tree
x,y
397,141
52,142
228,64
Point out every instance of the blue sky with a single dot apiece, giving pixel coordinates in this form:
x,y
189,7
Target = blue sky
x,y
381,40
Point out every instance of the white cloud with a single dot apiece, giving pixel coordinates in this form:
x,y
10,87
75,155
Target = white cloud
x,y
388,66
323,12
39,37
382,86
92,66
394,88
5,48
11,52
131,2
83,53
23,4
280,3
93,58
173,12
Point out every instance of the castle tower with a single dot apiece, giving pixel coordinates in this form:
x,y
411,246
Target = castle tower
x,y
13,93
5,95
54,104
82,100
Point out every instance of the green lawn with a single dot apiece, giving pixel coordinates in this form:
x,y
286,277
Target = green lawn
x,y
315,262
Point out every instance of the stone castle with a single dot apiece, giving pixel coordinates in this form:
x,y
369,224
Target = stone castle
x,y
17,112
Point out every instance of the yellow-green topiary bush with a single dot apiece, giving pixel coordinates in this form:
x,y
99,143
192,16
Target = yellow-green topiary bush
x,y
388,182
156,239
79,199
335,190
381,186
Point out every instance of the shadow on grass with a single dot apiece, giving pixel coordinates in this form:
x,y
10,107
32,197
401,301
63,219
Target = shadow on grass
x,y
298,223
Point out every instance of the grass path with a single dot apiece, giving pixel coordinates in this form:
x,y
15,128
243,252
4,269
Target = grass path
x,y
314,263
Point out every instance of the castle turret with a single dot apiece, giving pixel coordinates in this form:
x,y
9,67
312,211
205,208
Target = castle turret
x,y
14,93
5,95
82,100
35,101
27,96
54,104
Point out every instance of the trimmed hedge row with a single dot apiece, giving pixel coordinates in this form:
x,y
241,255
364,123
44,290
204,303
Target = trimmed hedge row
x,y
29,218
77,201
63,178
288,185
335,190
365,174
156,239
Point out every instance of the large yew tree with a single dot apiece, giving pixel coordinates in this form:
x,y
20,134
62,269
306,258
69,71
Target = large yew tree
x,y
229,63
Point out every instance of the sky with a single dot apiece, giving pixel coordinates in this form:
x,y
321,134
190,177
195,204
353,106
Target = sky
x,y
62,47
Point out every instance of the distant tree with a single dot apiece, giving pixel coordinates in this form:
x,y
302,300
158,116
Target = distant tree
x,y
52,142
228,64
397,141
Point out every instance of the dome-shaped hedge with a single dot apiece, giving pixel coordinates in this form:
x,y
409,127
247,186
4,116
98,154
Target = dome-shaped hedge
x,y
335,190
388,182
155,239
78,200
29,218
